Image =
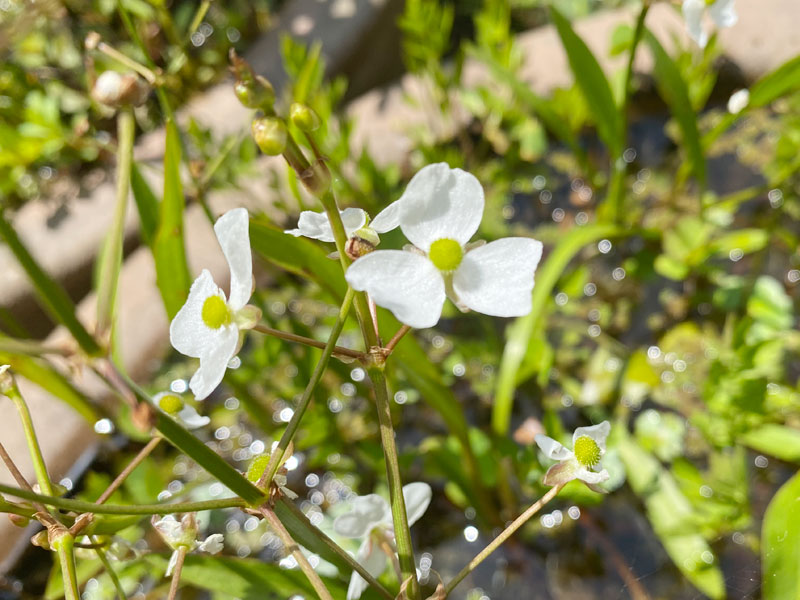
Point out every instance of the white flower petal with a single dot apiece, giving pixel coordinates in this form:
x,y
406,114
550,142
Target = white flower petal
x,y
590,476
441,202
233,233
353,219
417,496
191,419
407,284
598,433
497,279
169,528
187,332
562,472
213,544
738,101
365,513
373,560
387,219
551,448
315,225
723,13
173,560
693,15
214,361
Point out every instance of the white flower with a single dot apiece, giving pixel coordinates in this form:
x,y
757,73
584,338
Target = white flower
x,y
207,326
439,212
356,222
738,101
370,518
6,380
173,405
182,534
722,12
588,447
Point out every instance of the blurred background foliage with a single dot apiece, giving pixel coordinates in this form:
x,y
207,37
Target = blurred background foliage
x,y
675,316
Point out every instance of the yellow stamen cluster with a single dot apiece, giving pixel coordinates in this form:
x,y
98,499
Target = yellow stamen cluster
x,y
215,312
587,452
170,404
446,254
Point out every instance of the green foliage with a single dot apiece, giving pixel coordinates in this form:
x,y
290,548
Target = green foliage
x,y
780,542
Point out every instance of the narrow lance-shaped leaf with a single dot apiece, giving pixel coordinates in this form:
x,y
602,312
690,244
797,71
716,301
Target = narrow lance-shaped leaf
x,y
593,84
172,271
51,295
675,93
146,204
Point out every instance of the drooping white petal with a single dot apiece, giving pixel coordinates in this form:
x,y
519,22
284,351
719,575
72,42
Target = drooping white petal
x,y
233,233
214,361
590,476
353,219
315,225
365,513
417,496
441,202
497,279
387,219
723,13
406,283
693,15
191,419
188,333
738,101
170,529
213,544
173,560
372,558
551,448
598,433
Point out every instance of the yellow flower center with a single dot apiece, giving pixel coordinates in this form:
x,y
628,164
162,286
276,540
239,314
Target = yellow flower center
x,y
170,404
587,451
446,254
215,312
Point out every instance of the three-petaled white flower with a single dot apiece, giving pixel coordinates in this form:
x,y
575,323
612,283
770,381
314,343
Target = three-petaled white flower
x,y
315,225
207,326
588,447
370,518
182,534
173,405
723,13
439,212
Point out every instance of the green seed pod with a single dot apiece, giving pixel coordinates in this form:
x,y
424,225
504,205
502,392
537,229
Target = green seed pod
x,y
270,134
303,117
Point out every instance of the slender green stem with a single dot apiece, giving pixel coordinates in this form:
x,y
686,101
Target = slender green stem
x,y
112,254
198,17
64,547
101,554
297,553
507,533
277,455
113,509
137,460
616,187
176,572
300,339
18,476
35,451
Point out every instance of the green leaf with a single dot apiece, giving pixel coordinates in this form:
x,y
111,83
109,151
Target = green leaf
x,y
671,516
746,240
675,93
780,544
770,305
51,295
518,334
172,271
593,83
42,374
147,205
776,440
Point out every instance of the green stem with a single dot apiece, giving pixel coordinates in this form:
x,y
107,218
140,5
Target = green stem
x,y
198,17
507,533
113,509
616,186
64,547
34,450
277,455
300,339
297,553
101,554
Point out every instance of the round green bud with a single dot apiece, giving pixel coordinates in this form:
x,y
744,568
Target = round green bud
x,y
303,117
270,135
587,452
446,254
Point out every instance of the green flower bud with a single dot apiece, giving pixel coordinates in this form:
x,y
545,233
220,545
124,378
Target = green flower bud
x,y
255,93
270,135
303,117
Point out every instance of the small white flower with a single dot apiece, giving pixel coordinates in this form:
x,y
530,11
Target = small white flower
x,y
213,544
738,101
439,212
588,447
370,519
207,326
173,405
183,534
6,380
356,223
722,12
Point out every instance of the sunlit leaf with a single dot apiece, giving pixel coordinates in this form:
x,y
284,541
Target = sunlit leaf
x,y
780,544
